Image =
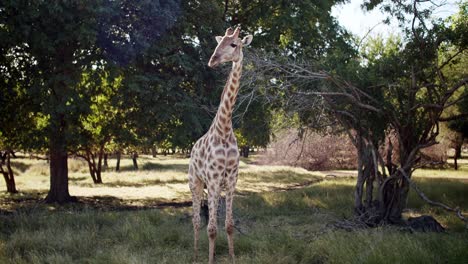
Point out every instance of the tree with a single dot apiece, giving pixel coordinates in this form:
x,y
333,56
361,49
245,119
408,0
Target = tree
x,y
167,88
300,30
55,42
460,126
254,128
17,118
398,87
99,127
458,117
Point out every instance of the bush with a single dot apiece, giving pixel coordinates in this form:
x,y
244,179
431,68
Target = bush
x,y
312,151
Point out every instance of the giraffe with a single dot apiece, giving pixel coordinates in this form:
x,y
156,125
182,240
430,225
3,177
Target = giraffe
x,y
215,156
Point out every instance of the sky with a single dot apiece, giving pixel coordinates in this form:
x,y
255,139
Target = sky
x,y
359,22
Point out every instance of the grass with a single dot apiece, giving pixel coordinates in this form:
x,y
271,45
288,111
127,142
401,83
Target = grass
x,y
283,215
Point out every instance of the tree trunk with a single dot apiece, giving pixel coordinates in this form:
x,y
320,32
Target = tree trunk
x,y
94,169
457,155
393,197
363,161
154,151
90,166
106,164
3,156
117,165
245,150
58,164
134,159
8,175
99,165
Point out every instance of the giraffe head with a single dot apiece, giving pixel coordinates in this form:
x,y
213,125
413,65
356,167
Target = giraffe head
x,y
229,47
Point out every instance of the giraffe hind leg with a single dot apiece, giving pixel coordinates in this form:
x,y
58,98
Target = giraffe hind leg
x,y
196,187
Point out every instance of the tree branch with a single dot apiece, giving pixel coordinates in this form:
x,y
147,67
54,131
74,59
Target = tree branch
x,y
457,210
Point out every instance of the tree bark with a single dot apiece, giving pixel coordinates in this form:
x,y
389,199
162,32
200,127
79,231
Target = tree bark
x,y
99,165
3,156
94,168
117,165
90,166
457,155
106,164
393,198
134,159
245,151
58,164
366,177
8,175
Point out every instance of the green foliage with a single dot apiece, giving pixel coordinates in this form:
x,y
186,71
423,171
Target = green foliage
x,y
460,125
66,48
302,29
254,128
164,83
163,91
61,52
457,68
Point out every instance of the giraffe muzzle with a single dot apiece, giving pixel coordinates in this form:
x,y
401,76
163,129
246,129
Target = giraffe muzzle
x,y
213,61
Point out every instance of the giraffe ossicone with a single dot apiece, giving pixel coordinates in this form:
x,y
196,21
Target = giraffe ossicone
x,y
214,158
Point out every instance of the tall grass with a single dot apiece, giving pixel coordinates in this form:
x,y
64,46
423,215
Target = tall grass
x,y
282,215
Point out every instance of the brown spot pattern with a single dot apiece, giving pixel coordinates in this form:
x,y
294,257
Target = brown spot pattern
x,y
220,152
222,119
232,152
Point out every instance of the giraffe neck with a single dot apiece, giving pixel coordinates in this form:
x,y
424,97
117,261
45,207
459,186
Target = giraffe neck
x,y
222,123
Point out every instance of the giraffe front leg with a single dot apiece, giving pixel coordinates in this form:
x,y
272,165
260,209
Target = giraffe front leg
x,y
196,186
229,224
213,197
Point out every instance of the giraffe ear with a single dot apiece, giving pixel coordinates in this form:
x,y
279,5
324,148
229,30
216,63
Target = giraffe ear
x,y
246,40
218,39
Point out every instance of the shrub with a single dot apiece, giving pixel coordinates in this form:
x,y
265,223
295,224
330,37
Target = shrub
x,y
312,151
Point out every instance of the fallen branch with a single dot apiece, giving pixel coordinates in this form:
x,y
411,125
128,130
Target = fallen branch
x,y
457,210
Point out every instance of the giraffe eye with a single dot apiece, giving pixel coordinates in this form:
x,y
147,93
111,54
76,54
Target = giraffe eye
x,y
233,45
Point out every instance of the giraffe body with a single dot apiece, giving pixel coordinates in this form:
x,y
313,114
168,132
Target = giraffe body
x,y
215,156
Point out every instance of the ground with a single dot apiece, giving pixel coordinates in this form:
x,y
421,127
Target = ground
x,y
283,215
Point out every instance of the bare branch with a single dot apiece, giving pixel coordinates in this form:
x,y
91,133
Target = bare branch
x,y
423,196
455,117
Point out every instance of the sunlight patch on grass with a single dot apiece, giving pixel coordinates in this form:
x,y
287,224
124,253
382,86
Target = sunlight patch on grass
x,y
450,173
168,192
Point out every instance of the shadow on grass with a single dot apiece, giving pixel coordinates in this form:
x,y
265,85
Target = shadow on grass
x,y
449,191
142,183
336,196
78,179
151,166
333,196
280,177
32,202
20,166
